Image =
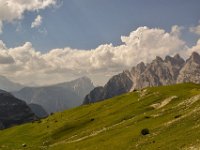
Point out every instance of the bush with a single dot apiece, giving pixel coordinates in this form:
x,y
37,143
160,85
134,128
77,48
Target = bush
x,y
177,116
147,117
145,131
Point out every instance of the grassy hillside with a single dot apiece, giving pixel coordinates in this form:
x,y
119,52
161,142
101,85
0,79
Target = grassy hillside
x,y
171,113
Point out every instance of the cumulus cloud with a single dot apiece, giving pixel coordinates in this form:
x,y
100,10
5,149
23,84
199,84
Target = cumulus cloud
x,y
195,48
143,44
176,30
11,10
37,22
195,29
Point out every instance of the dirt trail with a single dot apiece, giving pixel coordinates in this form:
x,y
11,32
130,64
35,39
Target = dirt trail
x,y
163,103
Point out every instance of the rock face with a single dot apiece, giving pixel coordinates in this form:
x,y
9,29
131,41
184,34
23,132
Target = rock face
x,y
95,95
57,97
38,110
117,85
191,70
13,111
169,71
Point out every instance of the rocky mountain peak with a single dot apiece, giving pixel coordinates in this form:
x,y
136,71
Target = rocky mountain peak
x,y
177,57
190,72
158,59
176,60
168,58
141,66
169,71
195,57
84,78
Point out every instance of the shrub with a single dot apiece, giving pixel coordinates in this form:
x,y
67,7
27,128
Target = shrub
x,y
177,116
147,117
145,131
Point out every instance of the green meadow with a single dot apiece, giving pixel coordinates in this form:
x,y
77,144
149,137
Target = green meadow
x,y
170,113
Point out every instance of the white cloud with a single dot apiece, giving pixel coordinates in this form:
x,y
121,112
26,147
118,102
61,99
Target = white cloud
x,y
196,29
11,10
195,48
37,22
176,30
58,65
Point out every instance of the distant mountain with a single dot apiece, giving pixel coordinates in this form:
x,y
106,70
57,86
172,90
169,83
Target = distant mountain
x,y
7,85
57,97
38,110
13,111
119,84
169,71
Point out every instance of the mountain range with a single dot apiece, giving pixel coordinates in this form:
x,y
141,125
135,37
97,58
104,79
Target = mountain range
x,y
170,70
10,86
57,97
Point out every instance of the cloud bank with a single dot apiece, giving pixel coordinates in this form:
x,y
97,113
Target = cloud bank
x,y
12,10
27,65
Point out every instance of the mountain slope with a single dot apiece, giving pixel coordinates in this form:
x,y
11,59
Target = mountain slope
x,y
13,111
169,71
57,97
7,85
38,110
170,113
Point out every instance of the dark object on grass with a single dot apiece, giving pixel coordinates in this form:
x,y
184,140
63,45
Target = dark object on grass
x,y
145,131
24,145
92,119
177,116
147,117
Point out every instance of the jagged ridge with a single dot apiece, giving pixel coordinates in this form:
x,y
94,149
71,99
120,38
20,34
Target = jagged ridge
x,y
159,72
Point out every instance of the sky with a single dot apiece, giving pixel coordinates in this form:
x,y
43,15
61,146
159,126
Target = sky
x,y
48,41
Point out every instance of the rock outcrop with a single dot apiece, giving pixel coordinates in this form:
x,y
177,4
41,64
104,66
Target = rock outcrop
x,y
191,70
13,111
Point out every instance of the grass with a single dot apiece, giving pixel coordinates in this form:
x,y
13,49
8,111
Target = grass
x,y
117,123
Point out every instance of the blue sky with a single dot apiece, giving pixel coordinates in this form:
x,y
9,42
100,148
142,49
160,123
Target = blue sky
x,y
85,24
49,41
